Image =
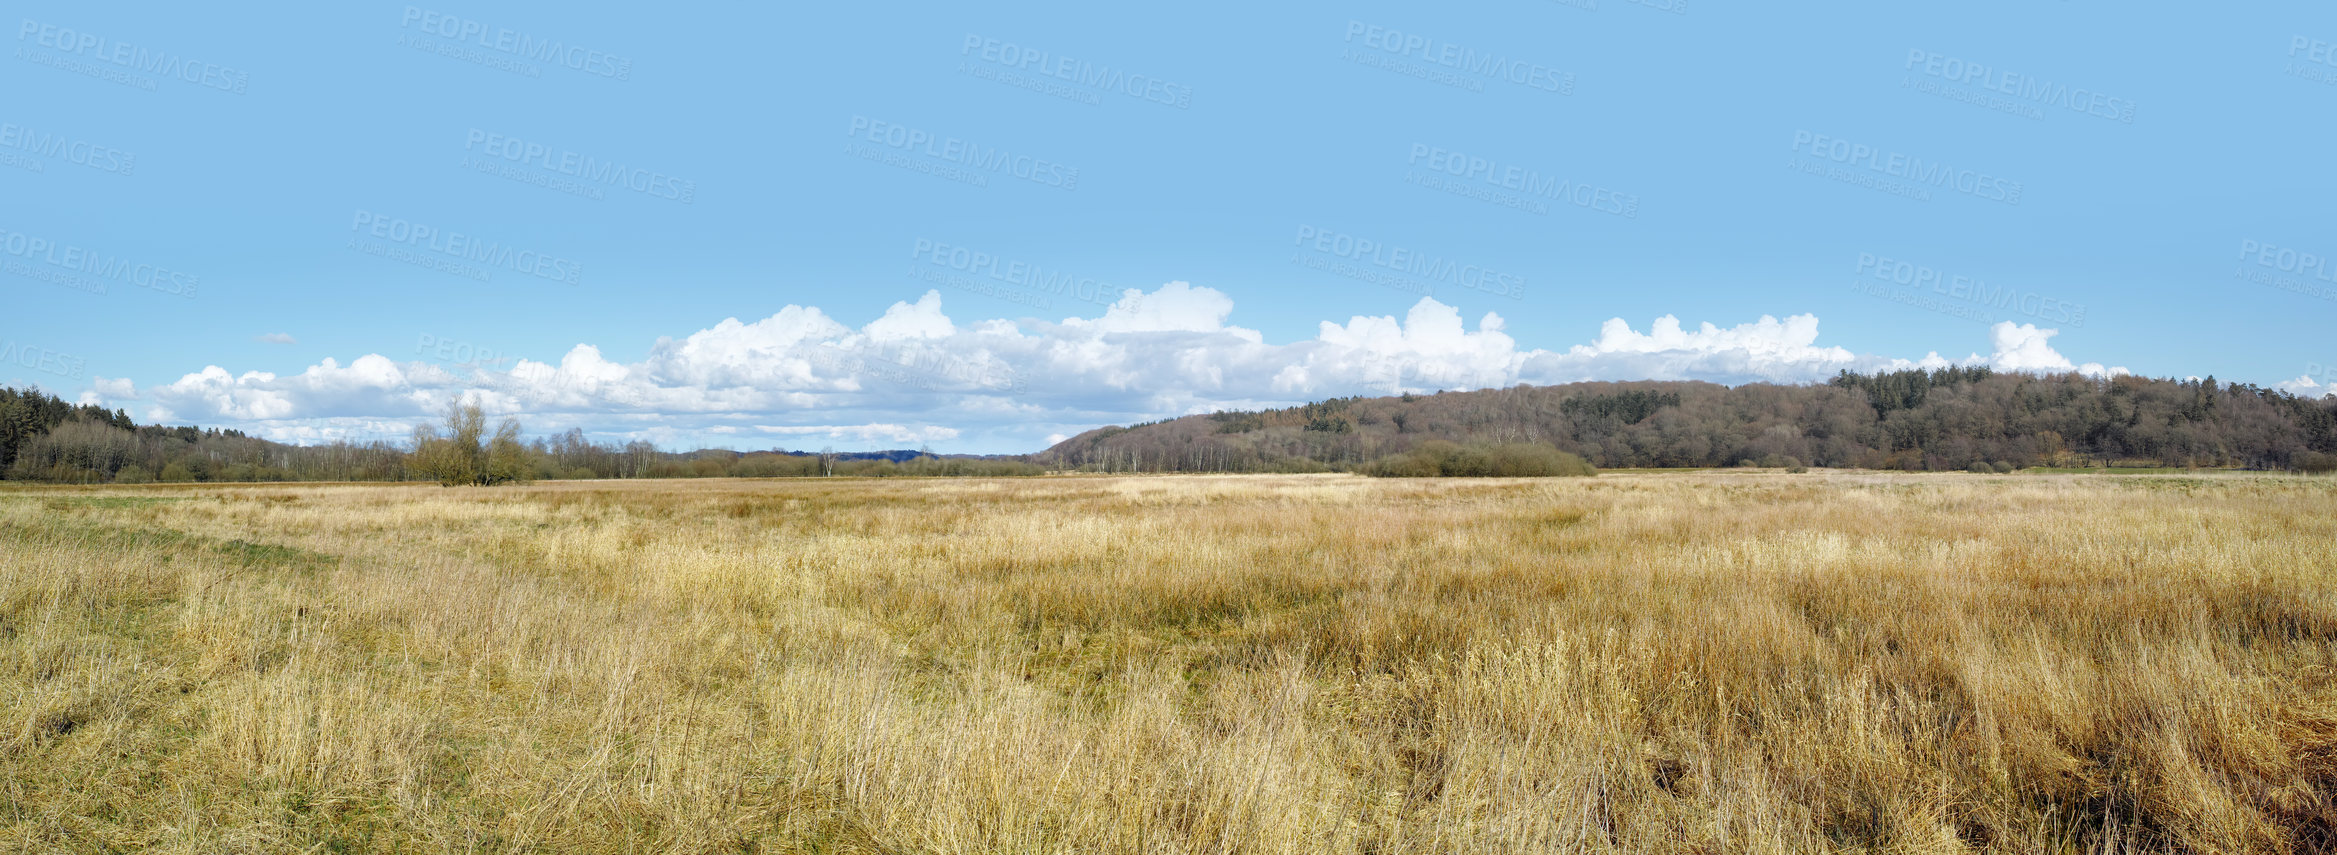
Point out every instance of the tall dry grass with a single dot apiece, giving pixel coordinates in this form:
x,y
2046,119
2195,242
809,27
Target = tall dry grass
x,y
1634,663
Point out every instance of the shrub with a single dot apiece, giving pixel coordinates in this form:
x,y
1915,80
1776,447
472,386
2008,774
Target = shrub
x,y
1438,458
1298,466
775,466
1410,465
177,471
133,474
2315,462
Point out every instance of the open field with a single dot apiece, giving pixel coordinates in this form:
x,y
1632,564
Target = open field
x,y
1711,662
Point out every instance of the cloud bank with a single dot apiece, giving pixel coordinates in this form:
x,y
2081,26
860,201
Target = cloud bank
x,y
800,378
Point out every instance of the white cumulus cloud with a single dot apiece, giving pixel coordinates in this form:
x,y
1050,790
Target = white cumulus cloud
x,y
915,375
2305,387
2024,347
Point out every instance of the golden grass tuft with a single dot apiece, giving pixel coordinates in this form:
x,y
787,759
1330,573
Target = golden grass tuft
x,y
1689,662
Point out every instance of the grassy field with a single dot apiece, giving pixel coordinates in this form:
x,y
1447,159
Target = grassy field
x,y
1713,662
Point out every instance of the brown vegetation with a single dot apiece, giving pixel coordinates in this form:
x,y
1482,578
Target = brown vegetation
x,y
1715,662
1946,419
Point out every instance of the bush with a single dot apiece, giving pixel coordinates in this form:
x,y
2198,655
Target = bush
x,y
1297,466
177,472
1980,466
133,474
2315,462
2004,467
775,466
1403,466
1438,458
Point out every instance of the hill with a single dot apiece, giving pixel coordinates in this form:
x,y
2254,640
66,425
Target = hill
x,y
1953,418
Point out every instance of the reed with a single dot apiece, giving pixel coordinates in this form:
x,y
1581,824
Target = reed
x,y
1677,662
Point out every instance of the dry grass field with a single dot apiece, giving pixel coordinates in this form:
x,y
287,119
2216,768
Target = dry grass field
x,y
1716,662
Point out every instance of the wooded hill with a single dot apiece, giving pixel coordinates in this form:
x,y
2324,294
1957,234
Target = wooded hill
x,y
1952,418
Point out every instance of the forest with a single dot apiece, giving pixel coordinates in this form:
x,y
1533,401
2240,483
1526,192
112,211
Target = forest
x,y
1951,418
1946,419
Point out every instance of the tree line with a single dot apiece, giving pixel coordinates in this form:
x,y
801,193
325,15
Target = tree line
x,y
43,438
1950,418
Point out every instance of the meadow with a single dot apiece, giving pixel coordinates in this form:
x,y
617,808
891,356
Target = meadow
x,y
1715,662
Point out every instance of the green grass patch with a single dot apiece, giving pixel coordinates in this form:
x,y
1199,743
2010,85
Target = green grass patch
x,y
71,503
98,536
272,555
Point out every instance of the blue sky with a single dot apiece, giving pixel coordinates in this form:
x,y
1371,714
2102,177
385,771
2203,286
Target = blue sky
x,y
999,227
